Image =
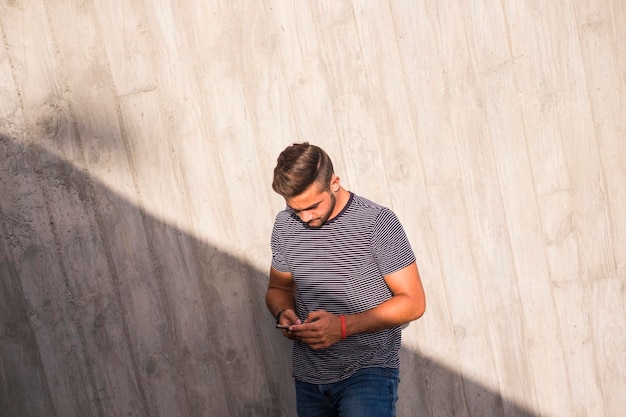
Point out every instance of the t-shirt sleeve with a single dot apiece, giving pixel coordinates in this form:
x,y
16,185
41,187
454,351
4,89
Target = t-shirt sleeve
x,y
390,246
278,259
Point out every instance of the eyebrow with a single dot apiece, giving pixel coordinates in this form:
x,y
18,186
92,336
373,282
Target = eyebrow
x,y
312,206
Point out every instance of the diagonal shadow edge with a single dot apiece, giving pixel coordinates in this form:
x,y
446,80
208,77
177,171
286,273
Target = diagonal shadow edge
x,y
109,311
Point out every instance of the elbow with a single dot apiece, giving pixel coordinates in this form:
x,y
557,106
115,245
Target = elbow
x,y
413,313
419,309
420,304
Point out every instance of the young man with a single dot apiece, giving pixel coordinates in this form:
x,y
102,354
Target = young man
x,y
343,281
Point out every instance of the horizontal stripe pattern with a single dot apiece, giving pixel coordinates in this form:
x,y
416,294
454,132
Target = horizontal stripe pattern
x,y
339,268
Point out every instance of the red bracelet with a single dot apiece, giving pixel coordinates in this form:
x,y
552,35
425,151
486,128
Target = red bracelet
x,y
343,326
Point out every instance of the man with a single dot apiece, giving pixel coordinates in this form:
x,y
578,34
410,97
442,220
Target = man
x,y
343,282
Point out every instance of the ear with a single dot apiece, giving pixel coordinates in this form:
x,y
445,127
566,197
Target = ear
x,y
335,183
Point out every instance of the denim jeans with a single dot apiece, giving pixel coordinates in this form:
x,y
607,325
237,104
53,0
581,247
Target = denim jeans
x,y
370,392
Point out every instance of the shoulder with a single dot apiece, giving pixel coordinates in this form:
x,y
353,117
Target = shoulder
x,y
283,215
364,204
382,220
370,209
285,220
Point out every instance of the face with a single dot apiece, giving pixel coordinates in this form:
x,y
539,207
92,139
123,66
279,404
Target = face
x,y
313,206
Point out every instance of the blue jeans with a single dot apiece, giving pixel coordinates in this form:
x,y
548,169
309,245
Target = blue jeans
x,y
370,392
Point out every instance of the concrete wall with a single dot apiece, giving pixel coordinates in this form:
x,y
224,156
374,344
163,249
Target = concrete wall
x,y
137,141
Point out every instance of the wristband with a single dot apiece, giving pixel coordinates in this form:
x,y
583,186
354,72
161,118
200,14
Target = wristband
x,y
342,318
278,315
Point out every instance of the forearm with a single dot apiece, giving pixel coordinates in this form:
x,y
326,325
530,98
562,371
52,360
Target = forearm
x,y
407,303
278,299
280,293
396,311
322,329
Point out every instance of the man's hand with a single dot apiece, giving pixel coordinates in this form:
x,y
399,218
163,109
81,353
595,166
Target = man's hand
x,y
289,318
320,330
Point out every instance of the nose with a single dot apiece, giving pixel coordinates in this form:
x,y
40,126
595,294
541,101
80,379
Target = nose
x,y
306,216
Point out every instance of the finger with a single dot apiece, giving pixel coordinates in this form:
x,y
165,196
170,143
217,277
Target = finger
x,y
315,315
304,328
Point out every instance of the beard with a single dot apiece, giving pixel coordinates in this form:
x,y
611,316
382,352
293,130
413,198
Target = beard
x,y
319,222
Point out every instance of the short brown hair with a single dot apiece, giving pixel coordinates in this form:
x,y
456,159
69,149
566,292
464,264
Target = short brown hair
x,y
299,166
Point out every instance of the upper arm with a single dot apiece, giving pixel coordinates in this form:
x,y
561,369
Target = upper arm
x,y
280,293
281,280
406,282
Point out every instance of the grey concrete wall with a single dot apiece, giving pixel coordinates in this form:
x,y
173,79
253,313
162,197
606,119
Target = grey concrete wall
x,y
137,141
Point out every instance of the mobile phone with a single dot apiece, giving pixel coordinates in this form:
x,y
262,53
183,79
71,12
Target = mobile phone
x,y
282,326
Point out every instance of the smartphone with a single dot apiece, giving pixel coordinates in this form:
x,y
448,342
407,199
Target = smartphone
x,y
282,326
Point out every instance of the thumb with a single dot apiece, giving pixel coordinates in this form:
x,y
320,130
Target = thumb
x,y
295,319
292,317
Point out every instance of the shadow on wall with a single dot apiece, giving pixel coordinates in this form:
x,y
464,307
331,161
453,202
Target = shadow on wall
x,y
106,311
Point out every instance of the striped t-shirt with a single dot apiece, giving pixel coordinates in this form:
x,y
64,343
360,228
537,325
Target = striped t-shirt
x,y
339,268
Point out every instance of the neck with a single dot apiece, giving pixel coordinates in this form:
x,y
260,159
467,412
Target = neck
x,y
342,197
